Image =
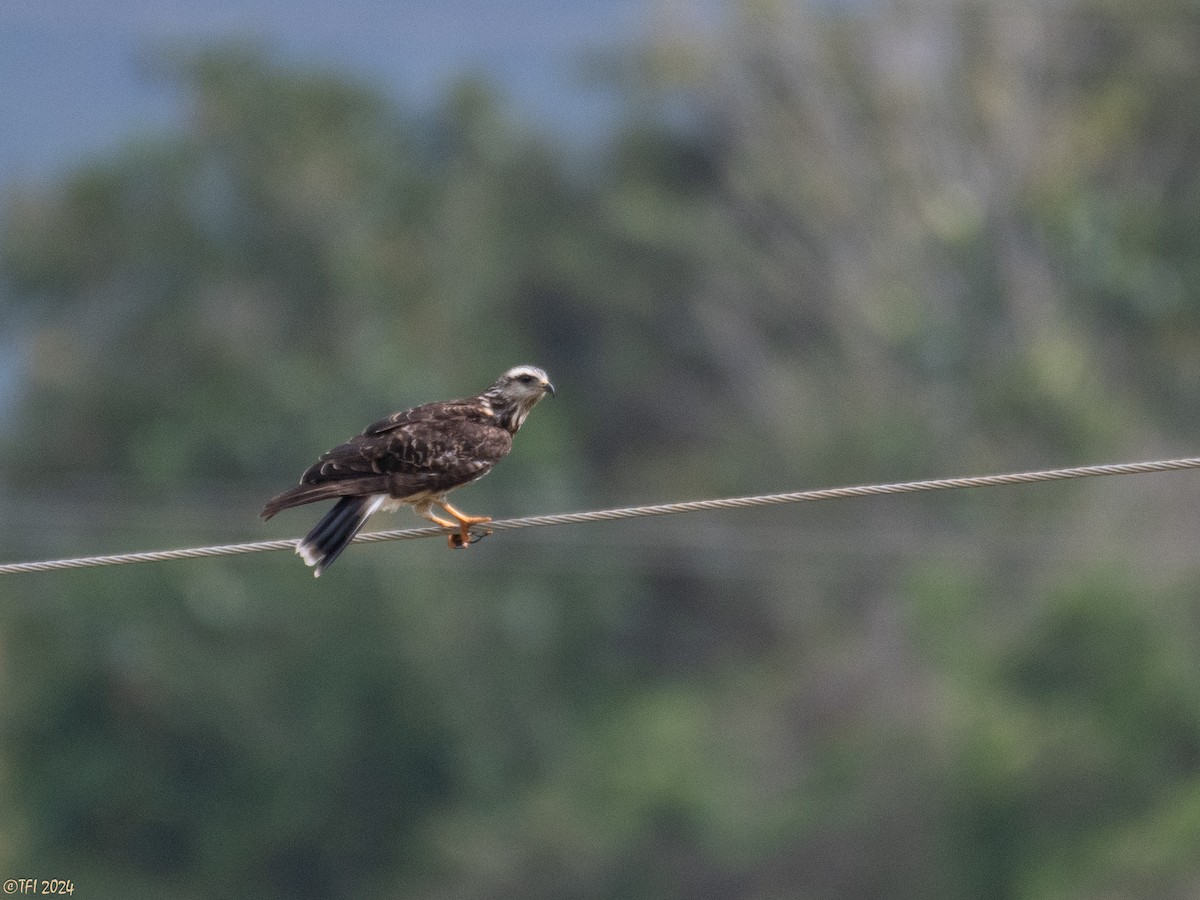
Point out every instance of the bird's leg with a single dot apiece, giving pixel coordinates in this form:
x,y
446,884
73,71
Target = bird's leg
x,y
463,538
425,511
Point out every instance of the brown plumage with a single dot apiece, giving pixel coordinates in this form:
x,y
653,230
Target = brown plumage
x,y
415,457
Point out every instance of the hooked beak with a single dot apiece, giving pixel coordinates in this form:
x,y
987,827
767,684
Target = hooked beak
x,y
549,388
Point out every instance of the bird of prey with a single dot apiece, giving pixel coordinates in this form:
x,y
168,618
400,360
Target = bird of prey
x,y
415,456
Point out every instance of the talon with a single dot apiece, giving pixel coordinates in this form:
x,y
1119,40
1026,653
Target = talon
x,y
465,536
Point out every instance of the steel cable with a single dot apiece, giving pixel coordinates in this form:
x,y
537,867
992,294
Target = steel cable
x,y
631,512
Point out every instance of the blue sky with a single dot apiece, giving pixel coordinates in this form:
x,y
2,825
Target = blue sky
x,y
74,80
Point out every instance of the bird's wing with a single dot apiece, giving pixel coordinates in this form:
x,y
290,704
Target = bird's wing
x,y
445,411
330,490
428,449
431,452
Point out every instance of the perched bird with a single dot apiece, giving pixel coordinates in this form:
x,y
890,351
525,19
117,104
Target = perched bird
x,y
416,456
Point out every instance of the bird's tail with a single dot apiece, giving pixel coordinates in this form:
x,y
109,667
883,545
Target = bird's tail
x,y
337,528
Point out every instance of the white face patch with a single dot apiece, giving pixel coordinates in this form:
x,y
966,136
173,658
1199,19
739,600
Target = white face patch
x,y
517,371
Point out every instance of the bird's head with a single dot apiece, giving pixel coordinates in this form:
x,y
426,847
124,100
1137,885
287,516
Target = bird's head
x,y
515,393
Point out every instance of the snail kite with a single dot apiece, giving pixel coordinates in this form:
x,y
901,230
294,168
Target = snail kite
x,y
416,456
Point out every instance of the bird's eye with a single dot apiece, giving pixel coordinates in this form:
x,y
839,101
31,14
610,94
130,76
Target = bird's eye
x,y
525,379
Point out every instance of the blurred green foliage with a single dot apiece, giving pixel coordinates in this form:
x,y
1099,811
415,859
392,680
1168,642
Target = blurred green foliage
x,y
821,247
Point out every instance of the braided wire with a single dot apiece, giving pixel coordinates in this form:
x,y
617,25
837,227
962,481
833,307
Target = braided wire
x,y
633,512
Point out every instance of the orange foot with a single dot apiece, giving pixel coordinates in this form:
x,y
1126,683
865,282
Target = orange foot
x,y
464,538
